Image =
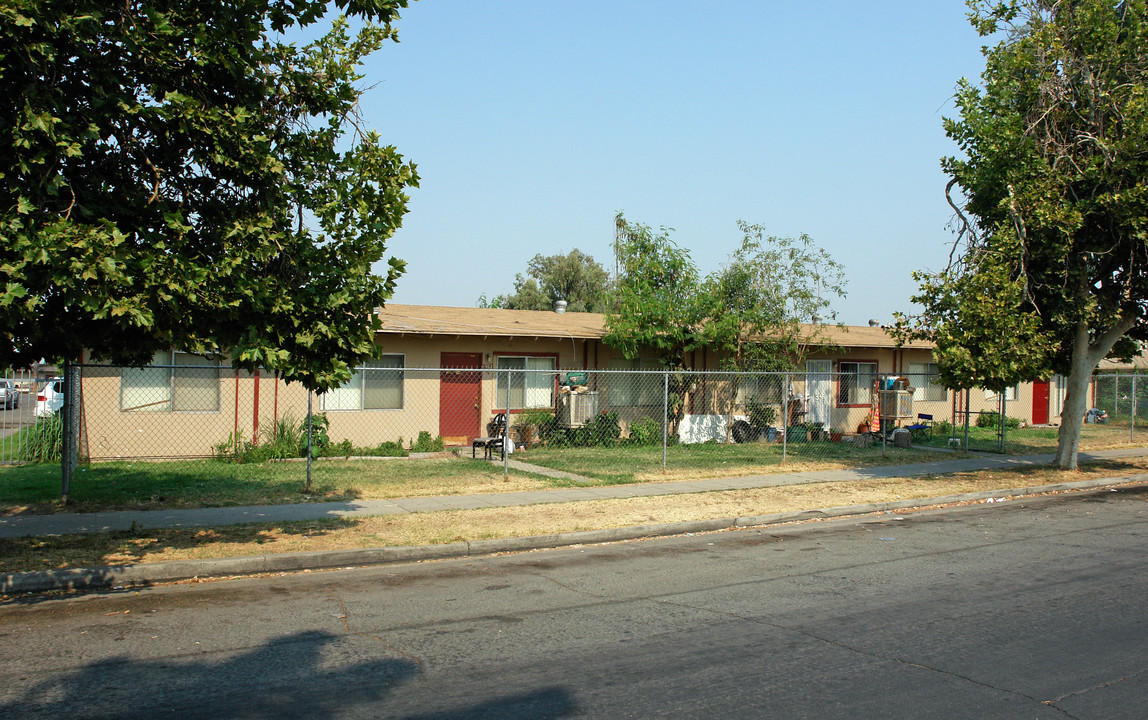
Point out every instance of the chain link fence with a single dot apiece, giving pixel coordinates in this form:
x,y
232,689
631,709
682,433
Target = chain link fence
x,y
572,420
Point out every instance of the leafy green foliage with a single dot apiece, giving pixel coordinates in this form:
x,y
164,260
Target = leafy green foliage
x,y
760,307
761,415
175,174
42,442
1050,269
576,278
993,420
752,312
426,444
647,431
603,430
657,305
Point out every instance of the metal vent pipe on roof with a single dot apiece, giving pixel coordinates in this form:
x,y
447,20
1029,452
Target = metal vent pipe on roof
x,y
560,306
874,323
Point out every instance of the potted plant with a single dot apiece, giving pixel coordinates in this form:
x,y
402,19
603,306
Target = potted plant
x,y
865,425
531,423
817,431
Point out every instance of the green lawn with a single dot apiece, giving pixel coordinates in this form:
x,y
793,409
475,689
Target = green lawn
x,y
214,483
622,464
1038,440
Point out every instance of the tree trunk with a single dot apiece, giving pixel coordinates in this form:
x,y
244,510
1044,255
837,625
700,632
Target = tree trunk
x,y
1085,357
1072,414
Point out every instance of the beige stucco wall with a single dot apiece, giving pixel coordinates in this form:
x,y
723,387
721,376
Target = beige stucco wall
x,y
107,431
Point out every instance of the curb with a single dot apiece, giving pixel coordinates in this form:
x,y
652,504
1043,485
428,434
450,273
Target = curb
x,y
151,573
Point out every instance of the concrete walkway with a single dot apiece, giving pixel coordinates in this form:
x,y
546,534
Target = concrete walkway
x,y
78,523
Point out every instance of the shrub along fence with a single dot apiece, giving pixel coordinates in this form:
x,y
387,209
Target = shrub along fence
x,y
650,420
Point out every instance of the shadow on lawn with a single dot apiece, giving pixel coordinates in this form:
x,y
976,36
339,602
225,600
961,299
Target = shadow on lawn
x,y
163,486
104,552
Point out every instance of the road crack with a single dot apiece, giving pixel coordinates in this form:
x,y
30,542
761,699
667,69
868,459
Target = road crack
x,y
1101,686
344,615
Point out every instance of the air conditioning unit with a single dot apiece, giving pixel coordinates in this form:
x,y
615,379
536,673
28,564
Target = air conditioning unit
x,y
576,409
896,404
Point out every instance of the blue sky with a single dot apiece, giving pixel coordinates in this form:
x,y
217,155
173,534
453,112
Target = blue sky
x,y
533,122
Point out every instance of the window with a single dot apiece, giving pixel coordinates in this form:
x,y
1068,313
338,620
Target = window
x,y
533,389
1009,394
632,389
174,382
759,388
923,378
855,383
376,385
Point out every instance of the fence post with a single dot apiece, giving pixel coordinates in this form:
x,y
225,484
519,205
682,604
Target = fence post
x,y
1115,396
881,418
665,415
784,417
968,414
506,436
307,485
68,460
1132,430
1001,406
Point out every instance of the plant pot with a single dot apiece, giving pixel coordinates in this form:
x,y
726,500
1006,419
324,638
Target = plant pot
x,y
863,429
835,436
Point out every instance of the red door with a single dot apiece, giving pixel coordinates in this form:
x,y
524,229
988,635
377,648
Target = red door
x,y
1040,402
460,388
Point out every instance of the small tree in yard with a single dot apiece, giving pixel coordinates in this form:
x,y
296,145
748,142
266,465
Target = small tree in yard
x,y
1049,272
751,312
177,175
656,304
762,303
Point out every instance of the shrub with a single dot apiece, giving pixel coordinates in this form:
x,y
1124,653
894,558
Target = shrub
x,y
943,427
43,442
761,415
319,437
391,449
993,419
646,431
425,443
603,430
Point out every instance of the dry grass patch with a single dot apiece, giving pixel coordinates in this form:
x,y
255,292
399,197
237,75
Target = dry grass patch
x,y
456,526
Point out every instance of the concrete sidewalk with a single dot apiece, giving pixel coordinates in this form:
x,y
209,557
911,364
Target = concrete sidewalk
x,y
80,523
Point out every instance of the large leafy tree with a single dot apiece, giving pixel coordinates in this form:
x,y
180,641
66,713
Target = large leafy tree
x,y
576,277
1050,268
174,173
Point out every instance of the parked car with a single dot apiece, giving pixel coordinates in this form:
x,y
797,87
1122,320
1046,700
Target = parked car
x,y
50,398
9,394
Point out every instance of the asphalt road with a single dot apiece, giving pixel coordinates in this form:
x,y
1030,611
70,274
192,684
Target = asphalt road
x,y
1033,610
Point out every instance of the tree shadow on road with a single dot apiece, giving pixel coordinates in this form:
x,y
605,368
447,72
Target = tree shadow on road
x,y
296,675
